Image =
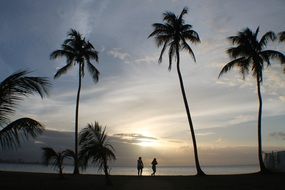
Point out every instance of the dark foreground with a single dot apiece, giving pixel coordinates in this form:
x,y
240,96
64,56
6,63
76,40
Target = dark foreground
x,y
30,181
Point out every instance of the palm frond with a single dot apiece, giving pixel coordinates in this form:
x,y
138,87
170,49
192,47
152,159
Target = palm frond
x,y
171,53
162,52
162,38
60,53
188,48
231,64
19,130
158,29
93,71
49,155
282,36
186,27
67,50
74,34
242,37
256,32
92,54
239,51
17,86
63,70
169,17
84,134
266,37
183,12
272,54
68,153
191,35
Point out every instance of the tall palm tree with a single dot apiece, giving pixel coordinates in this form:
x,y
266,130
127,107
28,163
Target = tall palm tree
x,y
50,156
175,35
12,90
94,146
249,53
77,50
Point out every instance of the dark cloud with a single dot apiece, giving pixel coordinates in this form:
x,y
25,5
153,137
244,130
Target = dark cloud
x,y
126,151
278,135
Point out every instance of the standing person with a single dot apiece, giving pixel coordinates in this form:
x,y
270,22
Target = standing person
x,y
154,163
140,166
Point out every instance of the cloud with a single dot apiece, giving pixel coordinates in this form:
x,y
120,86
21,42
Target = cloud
x,y
134,135
282,98
134,138
205,134
148,59
119,54
243,119
278,135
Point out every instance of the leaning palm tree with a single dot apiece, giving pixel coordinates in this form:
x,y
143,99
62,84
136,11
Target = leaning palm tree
x,y
175,35
96,148
50,156
249,53
78,51
12,90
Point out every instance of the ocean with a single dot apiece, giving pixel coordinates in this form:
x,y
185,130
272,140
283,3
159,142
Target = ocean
x,y
163,170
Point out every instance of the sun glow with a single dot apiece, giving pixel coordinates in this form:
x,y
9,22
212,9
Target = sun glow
x,y
148,143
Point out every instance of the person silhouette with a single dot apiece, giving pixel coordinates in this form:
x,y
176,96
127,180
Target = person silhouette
x,y
140,166
154,163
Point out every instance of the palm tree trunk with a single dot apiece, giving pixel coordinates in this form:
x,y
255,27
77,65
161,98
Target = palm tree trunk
x,y
198,168
60,171
108,181
261,163
76,170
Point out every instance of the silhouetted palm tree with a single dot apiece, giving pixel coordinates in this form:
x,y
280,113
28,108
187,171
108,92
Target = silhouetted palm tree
x,y
94,147
12,90
78,51
248,54
50,156
175,35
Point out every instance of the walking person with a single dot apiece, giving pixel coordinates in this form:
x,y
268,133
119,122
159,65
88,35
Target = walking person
x,y
154,163
140,166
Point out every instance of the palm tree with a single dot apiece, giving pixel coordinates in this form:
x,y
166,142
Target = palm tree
x,y
12,90
56,158
249,53
96,147
78,51
175,34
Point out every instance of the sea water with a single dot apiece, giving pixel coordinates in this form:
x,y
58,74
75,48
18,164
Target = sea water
x,y
163,170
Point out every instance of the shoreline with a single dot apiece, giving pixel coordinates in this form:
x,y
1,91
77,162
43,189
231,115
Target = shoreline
x,y
122,170
28,180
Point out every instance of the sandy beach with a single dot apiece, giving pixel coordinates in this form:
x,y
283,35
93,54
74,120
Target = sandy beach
x,y
22,180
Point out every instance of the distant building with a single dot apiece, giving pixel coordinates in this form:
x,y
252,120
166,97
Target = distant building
x,y
275,161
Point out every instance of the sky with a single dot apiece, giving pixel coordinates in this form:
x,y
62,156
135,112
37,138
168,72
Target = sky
x,y
138,100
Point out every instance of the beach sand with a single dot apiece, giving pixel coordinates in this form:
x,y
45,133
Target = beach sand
x,y
30,181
